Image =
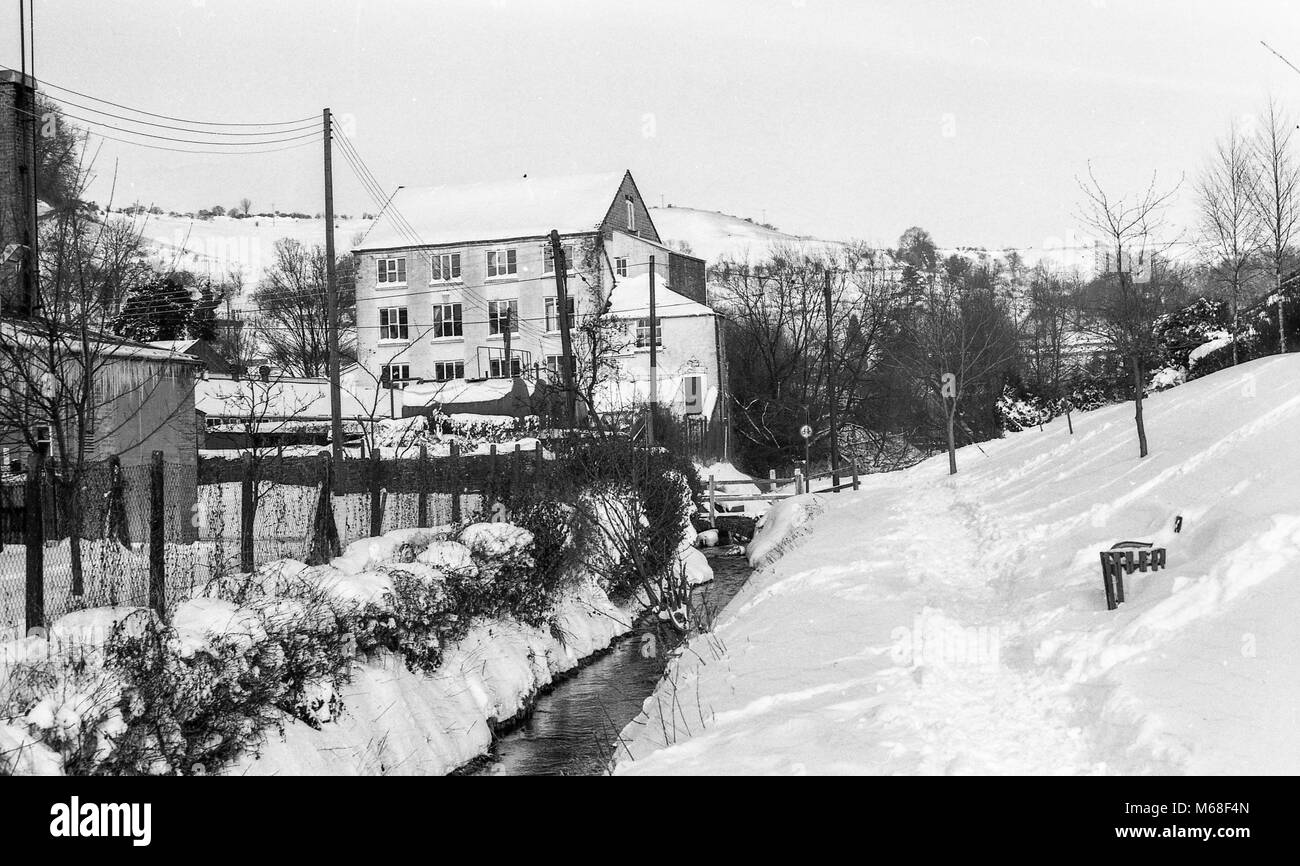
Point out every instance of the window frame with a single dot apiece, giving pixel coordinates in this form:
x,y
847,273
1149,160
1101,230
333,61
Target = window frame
x,y
551,307
620,266
516,366
457,321
511,267
548,258
494,316
457,368
630,212
398,270
387,326
643,332
398,382
438,273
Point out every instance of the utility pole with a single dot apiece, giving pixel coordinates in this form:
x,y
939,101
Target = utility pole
x,y
507,325
654,361
332,306
830,383
562,310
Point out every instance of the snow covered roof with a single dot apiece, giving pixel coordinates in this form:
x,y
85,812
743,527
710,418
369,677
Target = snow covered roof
x,y
455,391
108,345
300,399
180,346
631,299
496,210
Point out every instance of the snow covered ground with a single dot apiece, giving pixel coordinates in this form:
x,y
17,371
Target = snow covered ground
x,y
930,624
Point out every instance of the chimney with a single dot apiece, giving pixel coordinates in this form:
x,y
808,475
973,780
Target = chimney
x,y
17,152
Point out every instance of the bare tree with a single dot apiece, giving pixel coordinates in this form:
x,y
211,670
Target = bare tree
x,y
291,303
960,337
1231,229
1277,199
1121,307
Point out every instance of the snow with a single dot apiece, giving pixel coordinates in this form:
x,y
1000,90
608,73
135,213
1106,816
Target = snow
x,y
714,236
780,526
630,299
517,208
1220,339
935,624
496,540
199,620
449,556
400,723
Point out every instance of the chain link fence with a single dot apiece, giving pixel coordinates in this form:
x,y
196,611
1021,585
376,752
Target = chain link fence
x,y
155,534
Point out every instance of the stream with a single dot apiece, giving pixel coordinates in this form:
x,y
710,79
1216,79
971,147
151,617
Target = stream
x,y
573,728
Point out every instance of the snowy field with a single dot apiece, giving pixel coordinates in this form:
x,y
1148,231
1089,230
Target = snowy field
x,y
930,624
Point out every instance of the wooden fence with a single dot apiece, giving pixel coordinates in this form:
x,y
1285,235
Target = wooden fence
x,y
801,485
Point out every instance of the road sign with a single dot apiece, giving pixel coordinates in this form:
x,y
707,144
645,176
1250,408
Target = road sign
x,y
805,431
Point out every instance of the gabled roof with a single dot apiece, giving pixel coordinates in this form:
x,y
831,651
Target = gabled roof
x,y
285,398
630,299
524,207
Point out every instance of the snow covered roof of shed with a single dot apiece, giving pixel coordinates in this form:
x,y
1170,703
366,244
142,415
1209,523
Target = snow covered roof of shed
x,y
631,299
496,210
300,399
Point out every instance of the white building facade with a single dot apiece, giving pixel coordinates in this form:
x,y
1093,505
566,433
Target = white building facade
x,y
458,283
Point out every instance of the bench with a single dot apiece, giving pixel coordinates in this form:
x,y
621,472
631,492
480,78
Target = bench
x,y
1123,558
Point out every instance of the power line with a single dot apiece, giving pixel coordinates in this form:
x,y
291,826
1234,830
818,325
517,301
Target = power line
x,y
68,102
294,122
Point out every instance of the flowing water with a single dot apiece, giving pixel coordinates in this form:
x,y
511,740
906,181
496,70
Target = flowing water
x,y
573,728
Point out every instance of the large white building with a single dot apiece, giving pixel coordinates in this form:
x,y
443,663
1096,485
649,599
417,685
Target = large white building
x,y
457,283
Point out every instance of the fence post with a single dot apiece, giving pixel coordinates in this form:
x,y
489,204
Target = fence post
x,y
116,516
157,528
247,515
492,484
713,511
376,505
855,475
453,467
516,468
771,476
34,538
798,481
324,532
422,502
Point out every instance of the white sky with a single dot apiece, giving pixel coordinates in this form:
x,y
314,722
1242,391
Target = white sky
x,y
827,117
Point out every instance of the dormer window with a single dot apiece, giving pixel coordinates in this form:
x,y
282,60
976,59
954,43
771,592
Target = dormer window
x,y
631,213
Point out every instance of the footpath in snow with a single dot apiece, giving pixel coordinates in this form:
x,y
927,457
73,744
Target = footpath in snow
x,y
930,624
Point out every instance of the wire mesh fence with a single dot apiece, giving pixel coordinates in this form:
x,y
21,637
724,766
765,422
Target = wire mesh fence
x,y
83,537
156,534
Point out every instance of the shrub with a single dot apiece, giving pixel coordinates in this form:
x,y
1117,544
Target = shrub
x,y
421,616
186,716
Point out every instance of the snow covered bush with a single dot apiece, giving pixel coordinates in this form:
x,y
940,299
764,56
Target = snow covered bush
x,y
419,616
190,714
295,610
1167,377
1020,412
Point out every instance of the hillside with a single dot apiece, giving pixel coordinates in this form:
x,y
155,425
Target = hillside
x,y
956,625
223,246
712,235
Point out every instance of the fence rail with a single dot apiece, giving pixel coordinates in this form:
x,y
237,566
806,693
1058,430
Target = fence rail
x,y
801,485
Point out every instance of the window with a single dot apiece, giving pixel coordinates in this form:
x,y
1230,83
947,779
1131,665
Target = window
x,y
620,266
554,366
446,268
391,271
501,263
395,375
643,332
392,323
499,311
447,320
553,316
631,213
549,266
497,367
444,370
